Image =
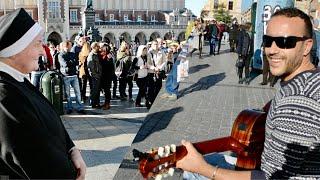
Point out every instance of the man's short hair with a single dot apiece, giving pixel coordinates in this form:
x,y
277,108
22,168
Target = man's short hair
x,y
94,44
294,12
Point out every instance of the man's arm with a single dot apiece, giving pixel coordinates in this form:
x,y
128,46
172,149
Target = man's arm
x,y
194,162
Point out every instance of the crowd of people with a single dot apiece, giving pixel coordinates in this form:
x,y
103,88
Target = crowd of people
x,y
101,64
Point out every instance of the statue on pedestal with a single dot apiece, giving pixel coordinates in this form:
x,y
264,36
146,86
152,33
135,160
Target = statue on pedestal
x,y
88,4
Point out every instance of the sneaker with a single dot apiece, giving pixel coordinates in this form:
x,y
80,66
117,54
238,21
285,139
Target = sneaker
x,y
173,97
165,95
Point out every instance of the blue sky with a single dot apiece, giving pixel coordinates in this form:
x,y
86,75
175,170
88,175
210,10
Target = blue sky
x,y
197,5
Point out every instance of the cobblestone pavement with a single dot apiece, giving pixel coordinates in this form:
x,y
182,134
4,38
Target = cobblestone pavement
x,y
105,136
209,101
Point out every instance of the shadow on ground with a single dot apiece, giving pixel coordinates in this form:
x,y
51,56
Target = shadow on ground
x,y
97,157
155,122
197,68
203,84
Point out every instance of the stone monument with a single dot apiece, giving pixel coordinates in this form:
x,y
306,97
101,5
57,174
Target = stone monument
x,y
88,21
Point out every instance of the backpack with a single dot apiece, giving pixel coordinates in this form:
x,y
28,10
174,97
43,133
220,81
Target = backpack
x,y
132,71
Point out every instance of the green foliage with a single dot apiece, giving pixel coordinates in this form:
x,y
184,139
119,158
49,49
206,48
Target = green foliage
x,y
222,15
189,29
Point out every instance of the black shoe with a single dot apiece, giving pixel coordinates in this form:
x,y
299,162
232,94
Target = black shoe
x,y
96,106
263,83
81,112
69,111
240,81
116,97
148,105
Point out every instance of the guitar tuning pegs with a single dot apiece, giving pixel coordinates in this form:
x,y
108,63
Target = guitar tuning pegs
x,y
173,148
161,151
171,171
166,164
158,177
156,157
166,151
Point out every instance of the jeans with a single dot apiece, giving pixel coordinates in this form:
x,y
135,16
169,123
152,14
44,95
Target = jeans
x,y
216,159
172,85
212,45
141,83
35,78
72,81
95,91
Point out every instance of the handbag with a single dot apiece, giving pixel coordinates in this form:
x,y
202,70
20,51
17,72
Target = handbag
x,y
240,63
118,70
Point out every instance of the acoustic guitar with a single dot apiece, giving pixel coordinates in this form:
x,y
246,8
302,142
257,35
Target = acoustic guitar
x,y
246,141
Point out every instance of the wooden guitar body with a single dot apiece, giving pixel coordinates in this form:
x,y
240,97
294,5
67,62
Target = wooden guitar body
x,y
246,141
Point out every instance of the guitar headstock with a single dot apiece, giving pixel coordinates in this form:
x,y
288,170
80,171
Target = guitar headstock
x,y
157,163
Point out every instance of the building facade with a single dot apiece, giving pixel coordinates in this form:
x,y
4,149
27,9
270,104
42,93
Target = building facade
x,y
132,20
232,6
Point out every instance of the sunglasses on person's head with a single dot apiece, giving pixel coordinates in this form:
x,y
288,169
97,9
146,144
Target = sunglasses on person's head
x,y
283,42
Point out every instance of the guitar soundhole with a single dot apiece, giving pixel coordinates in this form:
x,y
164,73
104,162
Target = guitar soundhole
x,y
242,127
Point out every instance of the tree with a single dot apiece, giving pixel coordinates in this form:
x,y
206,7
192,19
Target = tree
x,y
189,29
222,15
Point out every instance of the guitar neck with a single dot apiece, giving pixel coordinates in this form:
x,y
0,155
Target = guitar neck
x,y
211,146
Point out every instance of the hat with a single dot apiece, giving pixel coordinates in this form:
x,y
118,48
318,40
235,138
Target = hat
x,y
17,31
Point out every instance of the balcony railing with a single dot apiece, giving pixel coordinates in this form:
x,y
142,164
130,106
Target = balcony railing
x,y
131,25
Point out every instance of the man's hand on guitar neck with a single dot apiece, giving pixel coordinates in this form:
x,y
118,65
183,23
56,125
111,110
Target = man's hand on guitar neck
x,y
194,162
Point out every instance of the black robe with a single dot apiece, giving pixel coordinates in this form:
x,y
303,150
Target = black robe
x,y
33,140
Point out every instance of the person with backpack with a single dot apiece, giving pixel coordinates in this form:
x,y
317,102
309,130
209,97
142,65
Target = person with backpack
x,y
123,65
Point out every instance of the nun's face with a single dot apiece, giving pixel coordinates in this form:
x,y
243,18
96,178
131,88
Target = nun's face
x,y
27,60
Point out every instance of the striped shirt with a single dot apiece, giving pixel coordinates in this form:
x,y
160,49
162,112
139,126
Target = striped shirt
x,y
292,142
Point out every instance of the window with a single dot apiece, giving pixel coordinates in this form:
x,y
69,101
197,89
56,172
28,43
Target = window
x,y
125,17
230,6
97,17
139,18
53,9
175,18
216,4
73,15
111,17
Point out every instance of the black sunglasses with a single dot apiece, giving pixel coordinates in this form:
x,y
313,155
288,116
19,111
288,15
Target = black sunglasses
x,y
283,42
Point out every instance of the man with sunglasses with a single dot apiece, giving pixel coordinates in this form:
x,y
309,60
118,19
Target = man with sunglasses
x,y
292,137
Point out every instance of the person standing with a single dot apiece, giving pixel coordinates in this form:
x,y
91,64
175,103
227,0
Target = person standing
x,y
233,36
68,68
34,142
213,36
107,65
243,50
95,72
142,71
83,70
